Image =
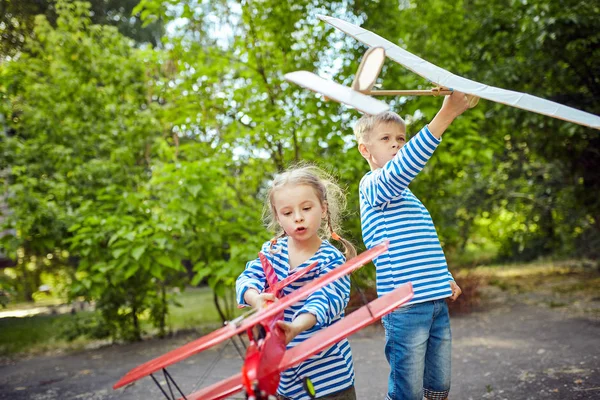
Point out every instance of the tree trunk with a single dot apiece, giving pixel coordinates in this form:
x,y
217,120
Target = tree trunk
x,y
27,289
163,312
218,306
136,323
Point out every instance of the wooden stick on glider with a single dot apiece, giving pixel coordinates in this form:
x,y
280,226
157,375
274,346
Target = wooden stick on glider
x,y
430,92
368,72
473,100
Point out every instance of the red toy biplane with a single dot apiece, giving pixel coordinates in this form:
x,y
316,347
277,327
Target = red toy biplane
x,y
266,356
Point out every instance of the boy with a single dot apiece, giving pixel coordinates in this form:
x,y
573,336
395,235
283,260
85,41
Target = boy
x,y
418,339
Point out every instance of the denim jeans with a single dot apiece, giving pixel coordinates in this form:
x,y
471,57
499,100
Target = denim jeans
x,y
418,346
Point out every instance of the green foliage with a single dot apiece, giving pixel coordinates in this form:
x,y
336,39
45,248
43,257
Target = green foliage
x,y
78,149
531,177
41,333
86,325
17,21
130,171
21,335
4,298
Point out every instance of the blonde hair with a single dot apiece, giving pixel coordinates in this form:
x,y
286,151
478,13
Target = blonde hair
x,y
326,190
365,125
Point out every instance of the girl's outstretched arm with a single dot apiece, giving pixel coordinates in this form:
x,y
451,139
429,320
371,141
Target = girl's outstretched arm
x,y
253,277
301,323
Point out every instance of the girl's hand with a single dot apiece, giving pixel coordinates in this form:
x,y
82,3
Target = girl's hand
x,y
258,300
456,291
302,322
263,299
289,330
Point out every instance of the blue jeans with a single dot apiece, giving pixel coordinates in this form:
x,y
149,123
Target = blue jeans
x,y
418,346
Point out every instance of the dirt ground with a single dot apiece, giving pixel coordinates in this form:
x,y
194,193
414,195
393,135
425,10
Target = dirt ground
x,y
511,347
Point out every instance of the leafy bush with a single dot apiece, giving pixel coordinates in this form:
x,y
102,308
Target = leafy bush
x,y
88,325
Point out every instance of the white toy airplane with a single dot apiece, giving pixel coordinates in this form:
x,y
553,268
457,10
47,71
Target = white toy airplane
x,y
368,71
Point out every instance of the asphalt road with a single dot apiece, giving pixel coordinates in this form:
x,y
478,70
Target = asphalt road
x,y
511,352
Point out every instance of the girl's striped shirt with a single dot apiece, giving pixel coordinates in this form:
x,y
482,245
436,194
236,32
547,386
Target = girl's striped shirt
x,y
332,369
389,210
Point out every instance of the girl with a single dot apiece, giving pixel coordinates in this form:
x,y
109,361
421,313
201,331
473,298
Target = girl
x,y
303,206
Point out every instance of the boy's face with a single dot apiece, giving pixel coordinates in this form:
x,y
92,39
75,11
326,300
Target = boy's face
x,y
382,144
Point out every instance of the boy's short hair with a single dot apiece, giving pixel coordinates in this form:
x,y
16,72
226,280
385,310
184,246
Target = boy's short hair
x,y
365,125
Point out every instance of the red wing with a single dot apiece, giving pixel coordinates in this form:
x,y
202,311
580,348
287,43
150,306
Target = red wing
x,y
220,390
222,334
297,275
347,326
270,273
325,338
181,353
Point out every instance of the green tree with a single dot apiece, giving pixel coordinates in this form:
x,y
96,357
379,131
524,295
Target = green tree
x,y
499,160
135,170
78,150
17,21
230,57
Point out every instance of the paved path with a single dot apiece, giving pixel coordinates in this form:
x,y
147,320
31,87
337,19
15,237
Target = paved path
x,y
512,352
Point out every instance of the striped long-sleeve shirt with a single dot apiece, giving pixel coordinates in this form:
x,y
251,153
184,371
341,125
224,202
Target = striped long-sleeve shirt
x,y
389,210
332,369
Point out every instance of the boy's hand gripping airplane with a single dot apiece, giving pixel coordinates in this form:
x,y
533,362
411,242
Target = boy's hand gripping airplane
x,y
358,96
266,355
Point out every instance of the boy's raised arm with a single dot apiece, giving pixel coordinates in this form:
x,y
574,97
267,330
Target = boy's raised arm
x,y
390,181
454,105
387,183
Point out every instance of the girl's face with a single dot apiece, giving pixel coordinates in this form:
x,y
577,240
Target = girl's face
x,y
299,211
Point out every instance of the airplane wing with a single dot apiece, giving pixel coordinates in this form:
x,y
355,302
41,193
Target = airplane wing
x,y
364,316
268,270
294,277
348,325
220,390
447,79
337,92
234,328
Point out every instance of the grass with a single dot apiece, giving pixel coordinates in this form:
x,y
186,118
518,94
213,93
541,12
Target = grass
x,y
560,277
570,285
43,302
197,309
42,333
30,334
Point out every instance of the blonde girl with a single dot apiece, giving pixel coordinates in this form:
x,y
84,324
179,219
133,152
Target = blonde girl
x,y
303,207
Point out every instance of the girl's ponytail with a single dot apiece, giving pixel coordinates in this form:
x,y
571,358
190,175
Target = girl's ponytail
x,y
350,251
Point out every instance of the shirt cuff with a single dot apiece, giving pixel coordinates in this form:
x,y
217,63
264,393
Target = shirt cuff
x,y
313,311
430,135
241,300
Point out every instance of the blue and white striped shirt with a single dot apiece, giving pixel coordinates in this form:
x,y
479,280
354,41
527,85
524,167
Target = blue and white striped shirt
x,y
390,211
332,369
